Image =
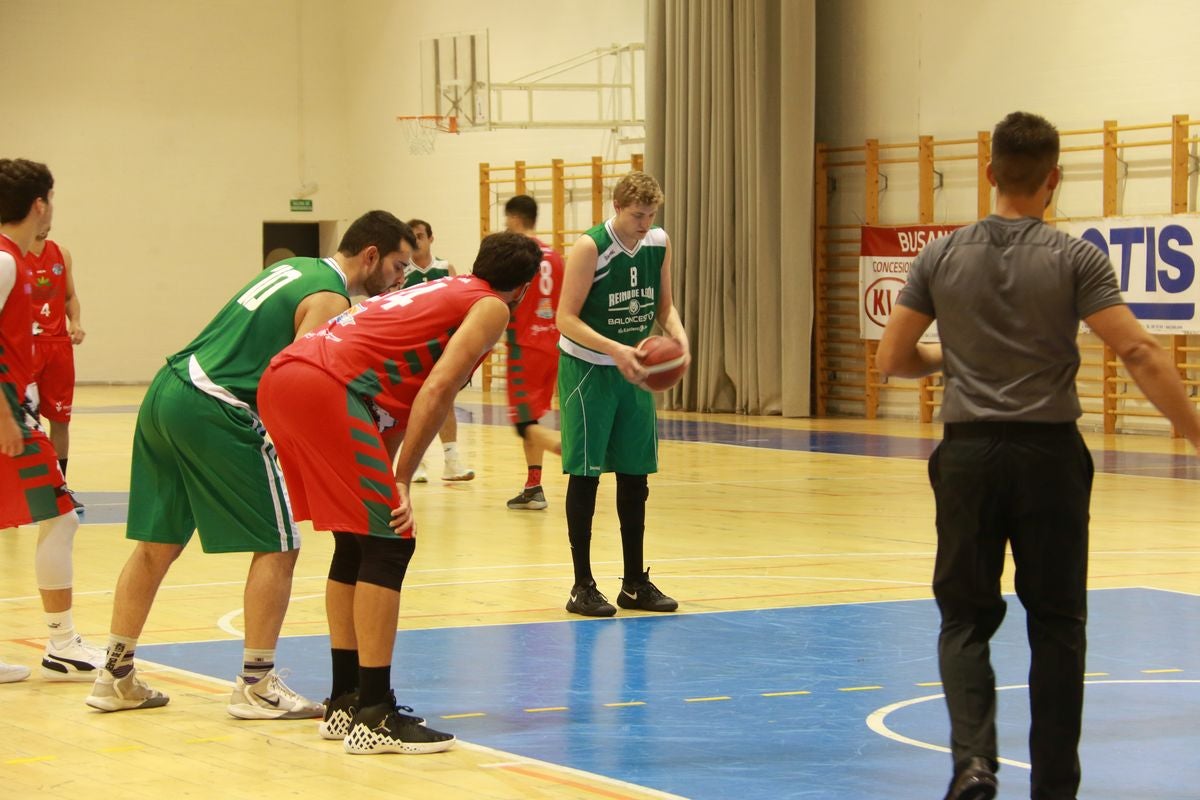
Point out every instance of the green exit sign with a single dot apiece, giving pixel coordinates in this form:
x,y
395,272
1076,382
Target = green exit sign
x,y
301,205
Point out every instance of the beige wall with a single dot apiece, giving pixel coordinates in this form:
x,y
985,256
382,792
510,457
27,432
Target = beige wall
x,y
896,69
174,129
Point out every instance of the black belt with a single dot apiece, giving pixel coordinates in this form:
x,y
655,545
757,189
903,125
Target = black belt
x,y
1006,429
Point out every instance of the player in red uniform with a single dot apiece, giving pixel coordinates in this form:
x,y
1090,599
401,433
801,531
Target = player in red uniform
x,y
56,330
532,363
388,367
32,488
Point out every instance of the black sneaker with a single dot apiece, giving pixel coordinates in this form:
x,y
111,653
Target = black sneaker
x,y
340,713
644,595
79,507
383,729
531,498
588,601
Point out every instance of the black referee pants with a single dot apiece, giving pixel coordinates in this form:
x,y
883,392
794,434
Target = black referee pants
x,y
1027,484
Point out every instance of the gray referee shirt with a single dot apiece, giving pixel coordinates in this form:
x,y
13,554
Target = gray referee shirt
x,y
1008,296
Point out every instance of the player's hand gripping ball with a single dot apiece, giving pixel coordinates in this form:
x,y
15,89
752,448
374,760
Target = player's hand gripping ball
x,y
664,361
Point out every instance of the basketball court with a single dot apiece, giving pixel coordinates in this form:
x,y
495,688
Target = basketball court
x,y
802,662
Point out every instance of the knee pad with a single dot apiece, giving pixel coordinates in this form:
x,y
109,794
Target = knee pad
x,y
52,561
384,561
347,556
523,427
636,485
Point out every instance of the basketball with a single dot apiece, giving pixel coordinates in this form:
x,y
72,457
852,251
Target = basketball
x,y
663,358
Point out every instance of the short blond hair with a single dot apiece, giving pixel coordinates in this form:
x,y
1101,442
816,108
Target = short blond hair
x,y
638,188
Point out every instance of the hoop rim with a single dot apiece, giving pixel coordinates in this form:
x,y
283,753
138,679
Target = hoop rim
x,y
446,123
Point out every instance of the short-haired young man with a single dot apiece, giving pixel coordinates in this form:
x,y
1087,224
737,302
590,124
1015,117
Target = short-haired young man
x,y
617,285
336,402
531,366
1008,293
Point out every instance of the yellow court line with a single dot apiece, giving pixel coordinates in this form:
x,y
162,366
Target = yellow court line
x,y
929,683
625,705
859,688
549,708
1159,671
784,694
30,760
207,739
464,716
1095,674
704,699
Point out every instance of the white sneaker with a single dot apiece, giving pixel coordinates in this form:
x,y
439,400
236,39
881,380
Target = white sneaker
x,y
421,475
455,471
110,693
77,661
11,673
271,698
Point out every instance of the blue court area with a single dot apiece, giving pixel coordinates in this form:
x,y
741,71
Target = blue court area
x,y
825,702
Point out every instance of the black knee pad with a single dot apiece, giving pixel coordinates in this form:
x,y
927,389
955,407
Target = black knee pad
x,y
637,486
522,427
347,555
384,561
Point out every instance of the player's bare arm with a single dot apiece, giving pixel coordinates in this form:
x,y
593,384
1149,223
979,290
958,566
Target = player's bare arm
x,y
1149,365
900,350
578,275
669,319
71,300
483,326
317,309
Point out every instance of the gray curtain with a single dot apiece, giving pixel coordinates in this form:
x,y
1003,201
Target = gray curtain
x,y
729,134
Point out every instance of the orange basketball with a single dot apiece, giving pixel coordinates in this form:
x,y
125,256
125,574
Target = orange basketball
x,y
663,359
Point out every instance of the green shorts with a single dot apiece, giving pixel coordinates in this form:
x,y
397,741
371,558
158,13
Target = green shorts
x,y
201,464
608,424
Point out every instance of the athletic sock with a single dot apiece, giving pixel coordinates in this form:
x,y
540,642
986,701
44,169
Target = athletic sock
x,y
120,654
632,491
345,672
374,683
257,664
534,477
450,449
62,627
581,506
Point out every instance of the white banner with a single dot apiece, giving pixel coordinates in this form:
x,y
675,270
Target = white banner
x,y
884,258
1155,261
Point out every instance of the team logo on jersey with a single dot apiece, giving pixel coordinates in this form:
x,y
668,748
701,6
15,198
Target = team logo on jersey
x,y
57,269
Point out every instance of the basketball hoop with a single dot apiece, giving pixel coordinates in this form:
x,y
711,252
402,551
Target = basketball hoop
x,y
421,131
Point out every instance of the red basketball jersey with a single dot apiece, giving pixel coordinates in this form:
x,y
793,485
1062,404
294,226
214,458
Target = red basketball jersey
x,y
533,322
48,275
384,347
16,325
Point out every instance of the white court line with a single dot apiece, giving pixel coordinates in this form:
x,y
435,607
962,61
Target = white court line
x,y
875,721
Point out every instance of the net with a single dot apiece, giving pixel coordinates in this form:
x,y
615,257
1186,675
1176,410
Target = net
x,y
421,132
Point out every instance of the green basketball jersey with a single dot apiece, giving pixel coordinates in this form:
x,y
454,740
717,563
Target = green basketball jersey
x,y
229,356
438,268
623,301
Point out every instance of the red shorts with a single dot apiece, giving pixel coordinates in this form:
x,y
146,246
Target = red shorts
x,y
31,484
54,374
531,378
334,463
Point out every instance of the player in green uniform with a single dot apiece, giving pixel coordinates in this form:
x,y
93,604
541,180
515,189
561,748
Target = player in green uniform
x,y
617,285
201,462
425,267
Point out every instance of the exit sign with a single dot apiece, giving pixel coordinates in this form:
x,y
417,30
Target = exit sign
x,y
301,205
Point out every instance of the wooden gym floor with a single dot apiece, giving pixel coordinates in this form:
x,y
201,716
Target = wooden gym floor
x,y
801,662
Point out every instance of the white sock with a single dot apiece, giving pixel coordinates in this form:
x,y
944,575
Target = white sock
x,y
450,449
62,627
